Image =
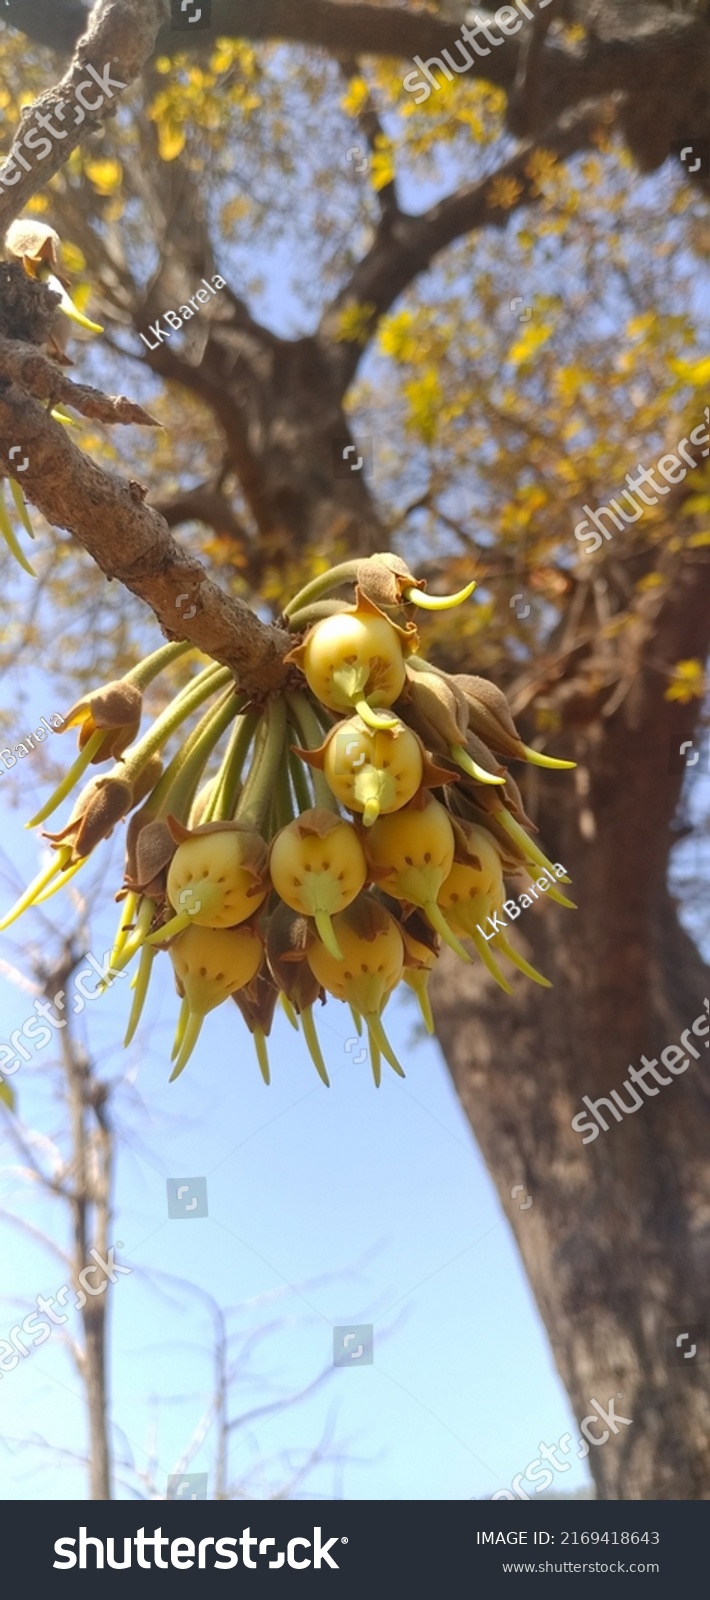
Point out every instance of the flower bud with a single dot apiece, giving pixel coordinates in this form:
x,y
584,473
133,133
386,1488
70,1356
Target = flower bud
x,y
150,848
372,771
117,707
101,804
382,579
355,660
217,876
288,936
439,713
413,853
489,716
318,866
147,778
370,968
210,965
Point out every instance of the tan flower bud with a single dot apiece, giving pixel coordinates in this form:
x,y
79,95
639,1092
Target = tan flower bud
x,y
489,714
288,936
117,707
98,808
382,578
437,709
150,848
35,244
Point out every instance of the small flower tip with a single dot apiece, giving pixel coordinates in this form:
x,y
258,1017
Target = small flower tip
x,y
437,602
537,759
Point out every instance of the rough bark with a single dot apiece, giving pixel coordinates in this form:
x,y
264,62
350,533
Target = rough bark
x,y
121,33
88,1192
130,541
617,1241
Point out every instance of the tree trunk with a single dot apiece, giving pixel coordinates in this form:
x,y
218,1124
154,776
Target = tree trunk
x,y
617,1241
95,1382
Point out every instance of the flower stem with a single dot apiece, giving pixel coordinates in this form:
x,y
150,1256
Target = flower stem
x,y
150,668
346,572
210,730
204,686
310,737
70,778
306,616
226,788
269,756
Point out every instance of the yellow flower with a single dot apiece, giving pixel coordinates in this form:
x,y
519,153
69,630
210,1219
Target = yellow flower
x,y
210,965
355,660
370,968
318,866
413,852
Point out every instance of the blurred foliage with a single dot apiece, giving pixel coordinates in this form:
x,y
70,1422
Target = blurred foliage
x,y
523,375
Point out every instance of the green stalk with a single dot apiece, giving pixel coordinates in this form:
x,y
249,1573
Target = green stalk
x,y
269,756
262,1054
20,506
488,961
78,767
375,1061
306,616
300,782
59,861
183,787
289,1010
150,668
283,807
226,789
207,684
376,1031
310,738
141,990
8,533
502,942
314,1049
346,572
190,1038
157,801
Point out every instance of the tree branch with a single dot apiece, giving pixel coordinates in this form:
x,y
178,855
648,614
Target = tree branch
x,y
120,35
21,363
406,246
131,542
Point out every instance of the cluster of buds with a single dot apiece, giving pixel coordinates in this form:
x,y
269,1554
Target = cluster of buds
x,y
37,248
352,824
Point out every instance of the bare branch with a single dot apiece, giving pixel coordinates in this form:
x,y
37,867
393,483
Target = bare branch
x,y
120,36
24,364
129,541
405,247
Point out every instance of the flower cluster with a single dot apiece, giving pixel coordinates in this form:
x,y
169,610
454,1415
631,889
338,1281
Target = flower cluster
x,y
352,823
